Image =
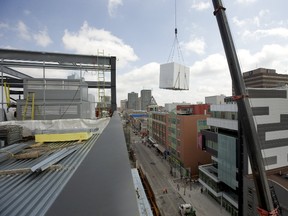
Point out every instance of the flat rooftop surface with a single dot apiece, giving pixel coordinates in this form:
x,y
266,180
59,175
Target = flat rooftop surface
x,y
95,179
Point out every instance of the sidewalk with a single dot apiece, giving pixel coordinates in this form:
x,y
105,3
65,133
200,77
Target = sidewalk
x,y
203,203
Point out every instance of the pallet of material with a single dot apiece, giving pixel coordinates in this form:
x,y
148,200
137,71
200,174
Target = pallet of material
x,y
10,134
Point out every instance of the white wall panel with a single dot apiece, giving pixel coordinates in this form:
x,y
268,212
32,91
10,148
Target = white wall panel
x,y
274,135
223,123
281,154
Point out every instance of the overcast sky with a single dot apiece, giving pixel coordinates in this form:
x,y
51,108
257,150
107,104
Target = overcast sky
x,y
141,34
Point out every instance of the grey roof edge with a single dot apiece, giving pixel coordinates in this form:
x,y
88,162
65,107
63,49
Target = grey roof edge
x,y
103,183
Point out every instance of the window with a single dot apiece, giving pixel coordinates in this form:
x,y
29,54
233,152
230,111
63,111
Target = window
x,y
270,160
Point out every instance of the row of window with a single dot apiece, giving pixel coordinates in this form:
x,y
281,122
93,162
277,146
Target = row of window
x,y
173,120
212,184
174,141
229,207
224,115
216,187
161,118
212,145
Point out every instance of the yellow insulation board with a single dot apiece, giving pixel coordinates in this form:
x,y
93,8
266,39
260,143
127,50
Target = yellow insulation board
x,y
41,138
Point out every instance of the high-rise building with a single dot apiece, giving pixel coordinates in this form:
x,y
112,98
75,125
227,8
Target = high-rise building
x,y
123,104
264,78
132,100
146,95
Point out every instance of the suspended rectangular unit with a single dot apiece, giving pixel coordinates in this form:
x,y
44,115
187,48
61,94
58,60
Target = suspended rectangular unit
x,y
174,76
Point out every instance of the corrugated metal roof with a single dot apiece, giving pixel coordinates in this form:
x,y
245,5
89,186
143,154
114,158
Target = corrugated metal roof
x,y
32,193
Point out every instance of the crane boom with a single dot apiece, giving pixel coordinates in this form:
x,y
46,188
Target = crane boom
x,y
245,115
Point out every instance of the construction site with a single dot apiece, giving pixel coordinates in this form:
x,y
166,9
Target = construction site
x,y
57,154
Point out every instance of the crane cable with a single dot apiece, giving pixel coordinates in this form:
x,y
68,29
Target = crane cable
x,y
175,42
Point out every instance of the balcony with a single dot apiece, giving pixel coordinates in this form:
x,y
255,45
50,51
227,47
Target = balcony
x,y
223,123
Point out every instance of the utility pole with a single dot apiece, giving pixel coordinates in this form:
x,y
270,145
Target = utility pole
x,y
245,113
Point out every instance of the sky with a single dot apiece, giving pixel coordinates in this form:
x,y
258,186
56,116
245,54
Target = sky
x,y
141,36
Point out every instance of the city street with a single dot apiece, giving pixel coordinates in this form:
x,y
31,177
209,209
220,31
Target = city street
x,y
157,171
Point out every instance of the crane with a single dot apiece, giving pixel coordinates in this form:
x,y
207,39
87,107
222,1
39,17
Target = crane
x,y
265,203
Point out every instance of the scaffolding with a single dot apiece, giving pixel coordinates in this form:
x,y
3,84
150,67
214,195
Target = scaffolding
x,y
101,105
30,101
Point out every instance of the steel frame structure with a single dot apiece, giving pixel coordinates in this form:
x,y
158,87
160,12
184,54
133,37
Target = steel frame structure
x,y
32,59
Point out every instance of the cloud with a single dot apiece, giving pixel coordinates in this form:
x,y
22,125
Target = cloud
x,y
42,38
90,40
205,78
23,31
254,21
272,56
144,77
245,23
246,1
197,45
200,5
208,77
280,32
113,5
214,62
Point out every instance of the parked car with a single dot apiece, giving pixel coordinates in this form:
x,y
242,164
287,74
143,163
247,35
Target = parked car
x,y
186,209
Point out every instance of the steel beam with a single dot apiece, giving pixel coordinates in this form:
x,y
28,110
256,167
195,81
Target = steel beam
x,y
56,65
14,73
17,83
60,58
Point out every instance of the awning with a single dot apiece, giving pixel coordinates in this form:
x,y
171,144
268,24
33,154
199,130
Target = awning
x,y
151,140
160,148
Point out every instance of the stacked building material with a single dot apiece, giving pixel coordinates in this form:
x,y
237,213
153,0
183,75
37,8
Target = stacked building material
x,y
8,152
10,134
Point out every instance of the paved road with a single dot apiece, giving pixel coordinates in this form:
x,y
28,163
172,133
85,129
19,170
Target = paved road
x,y
157,173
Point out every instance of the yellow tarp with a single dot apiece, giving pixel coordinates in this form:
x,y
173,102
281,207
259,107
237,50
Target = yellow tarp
x,y
41,138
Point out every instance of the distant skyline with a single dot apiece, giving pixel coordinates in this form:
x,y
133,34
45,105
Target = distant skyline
x,y
141,33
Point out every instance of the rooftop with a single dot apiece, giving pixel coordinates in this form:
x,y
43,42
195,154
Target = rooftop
x,y
93,178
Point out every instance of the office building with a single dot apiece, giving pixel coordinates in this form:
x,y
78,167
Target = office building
x,y
264,78
132,100
146,95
